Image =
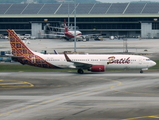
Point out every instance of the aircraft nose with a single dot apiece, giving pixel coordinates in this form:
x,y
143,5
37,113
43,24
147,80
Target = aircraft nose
x,y
153,63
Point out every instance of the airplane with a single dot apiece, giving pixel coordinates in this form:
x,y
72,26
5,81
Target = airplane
x,y
67,34
80,62
71,33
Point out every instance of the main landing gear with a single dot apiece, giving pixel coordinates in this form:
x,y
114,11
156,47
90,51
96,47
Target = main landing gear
x,y
141,71
80,71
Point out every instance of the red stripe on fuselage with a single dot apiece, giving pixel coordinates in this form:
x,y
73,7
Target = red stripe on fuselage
x,y
69,34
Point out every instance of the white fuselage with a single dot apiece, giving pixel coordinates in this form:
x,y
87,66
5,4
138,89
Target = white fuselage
x,y
72,34
110,61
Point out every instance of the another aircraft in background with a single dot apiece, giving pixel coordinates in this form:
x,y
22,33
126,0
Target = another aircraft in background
x,y
69,34
81,62
66,33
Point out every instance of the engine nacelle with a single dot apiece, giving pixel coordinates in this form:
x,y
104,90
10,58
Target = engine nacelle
x,y
97,68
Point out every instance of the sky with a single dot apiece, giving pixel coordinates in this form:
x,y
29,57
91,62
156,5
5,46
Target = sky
x,y
117,1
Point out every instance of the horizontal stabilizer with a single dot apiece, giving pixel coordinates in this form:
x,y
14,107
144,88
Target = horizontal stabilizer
x,y
10,55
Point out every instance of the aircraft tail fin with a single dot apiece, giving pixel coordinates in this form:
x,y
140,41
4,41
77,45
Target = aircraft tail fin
x,y
23,54
17,45
66,28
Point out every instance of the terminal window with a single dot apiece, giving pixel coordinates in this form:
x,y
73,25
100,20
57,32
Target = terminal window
x,y
155,26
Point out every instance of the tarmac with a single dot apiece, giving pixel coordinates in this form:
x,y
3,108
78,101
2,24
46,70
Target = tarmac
x,y
148,47
70,96
126,95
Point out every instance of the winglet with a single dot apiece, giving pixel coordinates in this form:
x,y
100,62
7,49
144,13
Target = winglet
x,y
55,52
67,58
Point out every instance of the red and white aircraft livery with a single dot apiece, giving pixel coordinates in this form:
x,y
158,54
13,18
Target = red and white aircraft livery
x,y
71,33
94,63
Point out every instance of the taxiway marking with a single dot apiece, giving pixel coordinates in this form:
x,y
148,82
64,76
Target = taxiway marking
x,y
135,118
8,83
60,98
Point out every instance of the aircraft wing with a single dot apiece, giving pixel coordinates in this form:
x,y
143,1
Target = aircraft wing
x,y
57,35
78,64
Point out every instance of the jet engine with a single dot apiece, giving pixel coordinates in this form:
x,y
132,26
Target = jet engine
x,y
97,68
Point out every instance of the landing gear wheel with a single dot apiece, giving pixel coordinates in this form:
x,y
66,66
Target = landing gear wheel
x,y
141,71
80,71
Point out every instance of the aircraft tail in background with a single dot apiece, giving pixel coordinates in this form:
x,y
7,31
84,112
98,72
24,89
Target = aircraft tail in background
x,y
71,33
66,28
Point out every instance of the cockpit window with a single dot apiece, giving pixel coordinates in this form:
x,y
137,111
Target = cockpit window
x,y
148,60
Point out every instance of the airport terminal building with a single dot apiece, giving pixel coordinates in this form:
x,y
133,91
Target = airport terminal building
x,y
109,19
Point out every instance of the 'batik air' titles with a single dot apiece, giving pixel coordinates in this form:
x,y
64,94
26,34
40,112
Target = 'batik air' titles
x,y
118,61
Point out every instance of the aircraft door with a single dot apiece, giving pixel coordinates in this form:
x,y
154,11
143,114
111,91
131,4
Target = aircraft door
x,y
140,61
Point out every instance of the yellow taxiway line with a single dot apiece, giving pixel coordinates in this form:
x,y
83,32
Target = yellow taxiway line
x,y
59,98
137,118
16,83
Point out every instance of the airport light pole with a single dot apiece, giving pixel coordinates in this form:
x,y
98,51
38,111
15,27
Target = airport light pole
x,y
75,26
69,13
125,45
74,22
